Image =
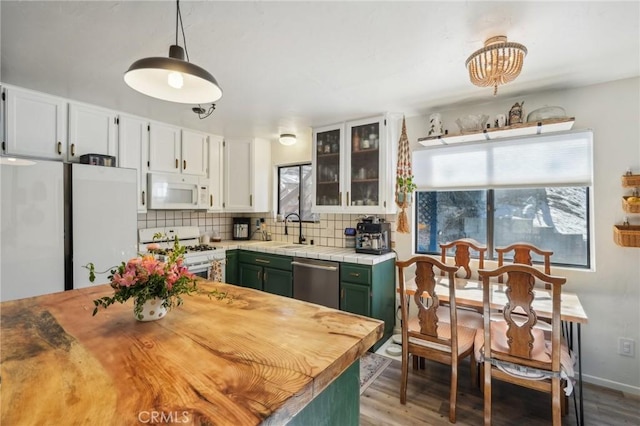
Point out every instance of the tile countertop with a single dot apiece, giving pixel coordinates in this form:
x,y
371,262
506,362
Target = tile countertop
x,y
336,254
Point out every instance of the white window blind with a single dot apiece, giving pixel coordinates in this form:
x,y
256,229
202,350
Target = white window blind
x,y
562,159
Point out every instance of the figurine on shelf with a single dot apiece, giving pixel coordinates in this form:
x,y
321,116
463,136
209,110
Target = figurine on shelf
x,y
516,113
435,124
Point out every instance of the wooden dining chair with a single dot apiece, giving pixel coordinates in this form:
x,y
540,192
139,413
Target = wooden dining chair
x,y
461,253
467,317
519,352
425,335
522,254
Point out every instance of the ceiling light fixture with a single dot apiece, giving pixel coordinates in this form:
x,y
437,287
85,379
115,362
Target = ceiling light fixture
x,y
498,62
287,139
203,113
173,79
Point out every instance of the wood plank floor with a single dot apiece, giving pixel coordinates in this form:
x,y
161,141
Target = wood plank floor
x,y
428,397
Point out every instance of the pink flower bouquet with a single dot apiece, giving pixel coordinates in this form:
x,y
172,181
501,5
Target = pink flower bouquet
x,y
145,277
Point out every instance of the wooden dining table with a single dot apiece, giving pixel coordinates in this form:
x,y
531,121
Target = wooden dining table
x,y
469,295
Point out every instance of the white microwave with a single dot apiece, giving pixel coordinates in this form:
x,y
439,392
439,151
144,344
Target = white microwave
x,y
177,192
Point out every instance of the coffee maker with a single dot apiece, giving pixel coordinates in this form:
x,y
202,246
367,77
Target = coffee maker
x,y
373,236
241,226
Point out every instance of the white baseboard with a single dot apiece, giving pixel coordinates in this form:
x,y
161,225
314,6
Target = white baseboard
x,y
622,387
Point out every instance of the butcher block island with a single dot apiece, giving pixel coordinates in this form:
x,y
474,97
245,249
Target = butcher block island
x,y
258,359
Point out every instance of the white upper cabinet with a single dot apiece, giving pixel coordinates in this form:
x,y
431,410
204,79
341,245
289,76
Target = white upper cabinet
x,y
164,148
194,153
215,173
92,130
247,164
328,169
133,152
36,124
354,166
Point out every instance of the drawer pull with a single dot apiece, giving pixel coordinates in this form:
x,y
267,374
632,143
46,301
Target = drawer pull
x,y
354,274
263,261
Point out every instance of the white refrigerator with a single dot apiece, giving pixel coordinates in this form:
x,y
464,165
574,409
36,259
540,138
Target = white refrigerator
x,y
55,218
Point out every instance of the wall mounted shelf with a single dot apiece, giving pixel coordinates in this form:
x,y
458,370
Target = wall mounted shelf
x,y
627,235
523,129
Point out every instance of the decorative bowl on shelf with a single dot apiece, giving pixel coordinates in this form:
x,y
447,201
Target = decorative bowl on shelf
x,y
472,123
546,113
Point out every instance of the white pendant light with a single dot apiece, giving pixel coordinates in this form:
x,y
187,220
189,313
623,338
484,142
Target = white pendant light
x,y
287,139
173,79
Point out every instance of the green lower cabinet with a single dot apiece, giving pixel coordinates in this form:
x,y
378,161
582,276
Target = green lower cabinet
x,y
231,268
355,298
267,272
338,404
250,276
369,290
277,281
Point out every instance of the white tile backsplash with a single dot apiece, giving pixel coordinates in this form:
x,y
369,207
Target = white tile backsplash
x,y
329,231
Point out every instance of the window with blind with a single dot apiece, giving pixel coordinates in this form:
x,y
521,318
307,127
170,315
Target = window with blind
x,y
533,189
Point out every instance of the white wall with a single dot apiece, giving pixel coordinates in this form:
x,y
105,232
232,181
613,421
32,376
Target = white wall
x,y
610,293
299,152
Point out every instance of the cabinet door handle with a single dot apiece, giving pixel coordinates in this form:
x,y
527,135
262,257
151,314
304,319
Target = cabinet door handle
x,y
143,197
210,200
342,293
177,164
264,277
354,274
73,149
184,164
347,198
251,200
340,198
263,261
59,147
258,275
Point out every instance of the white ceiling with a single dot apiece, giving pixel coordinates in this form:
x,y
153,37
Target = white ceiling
x,y
288,66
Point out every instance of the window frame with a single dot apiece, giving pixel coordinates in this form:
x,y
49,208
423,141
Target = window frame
x,y
490,227
299,166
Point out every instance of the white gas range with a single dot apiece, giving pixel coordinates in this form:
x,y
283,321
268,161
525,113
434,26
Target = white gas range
x,y
200,259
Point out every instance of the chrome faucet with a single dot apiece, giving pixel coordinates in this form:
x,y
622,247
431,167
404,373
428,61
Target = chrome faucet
x,y
301,239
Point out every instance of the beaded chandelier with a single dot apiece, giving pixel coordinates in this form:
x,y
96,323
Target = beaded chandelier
x,y
498,62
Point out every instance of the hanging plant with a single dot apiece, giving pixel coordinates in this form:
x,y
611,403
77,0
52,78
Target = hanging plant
x,y
405,188
404,180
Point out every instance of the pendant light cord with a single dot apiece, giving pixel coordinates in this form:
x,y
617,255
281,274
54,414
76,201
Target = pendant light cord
x,y
184,39
202,113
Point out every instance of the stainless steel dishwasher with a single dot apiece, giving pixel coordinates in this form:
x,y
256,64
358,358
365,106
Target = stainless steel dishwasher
x,y
316,281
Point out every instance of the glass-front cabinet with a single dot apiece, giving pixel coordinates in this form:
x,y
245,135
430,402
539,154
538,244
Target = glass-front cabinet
x,y
353,167
366,176
328,160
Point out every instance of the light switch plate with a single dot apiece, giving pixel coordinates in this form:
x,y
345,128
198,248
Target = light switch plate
x,y
627,347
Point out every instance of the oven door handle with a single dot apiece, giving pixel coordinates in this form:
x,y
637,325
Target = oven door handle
x,y
205,263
